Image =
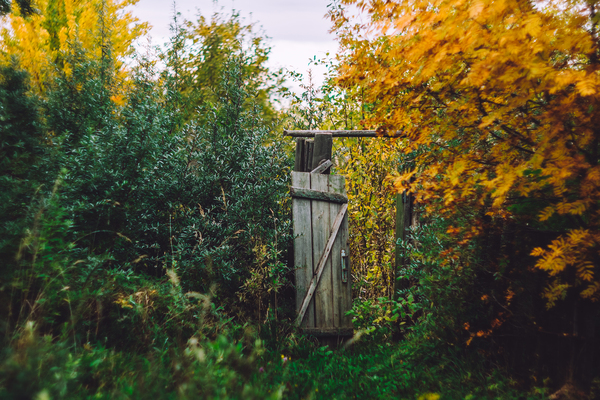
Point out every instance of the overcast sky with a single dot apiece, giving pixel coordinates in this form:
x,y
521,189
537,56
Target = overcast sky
x,y
297,28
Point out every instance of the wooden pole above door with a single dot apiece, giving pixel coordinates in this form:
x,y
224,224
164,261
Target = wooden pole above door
x,y
342,133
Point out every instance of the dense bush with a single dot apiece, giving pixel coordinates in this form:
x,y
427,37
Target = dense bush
x,y
219,369
141,199
21,150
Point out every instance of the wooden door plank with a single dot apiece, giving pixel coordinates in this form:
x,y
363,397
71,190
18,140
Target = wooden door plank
x,y
320,266
337,185
321,231
303,254
346,290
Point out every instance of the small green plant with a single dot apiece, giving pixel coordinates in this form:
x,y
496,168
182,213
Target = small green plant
x,y
381,317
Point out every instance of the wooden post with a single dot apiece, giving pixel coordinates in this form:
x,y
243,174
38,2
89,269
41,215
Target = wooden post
x,y
399,227
308,154
404,219
399,236
322,150
300,156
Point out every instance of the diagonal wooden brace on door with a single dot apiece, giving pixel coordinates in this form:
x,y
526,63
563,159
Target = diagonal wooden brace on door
x,y
321,266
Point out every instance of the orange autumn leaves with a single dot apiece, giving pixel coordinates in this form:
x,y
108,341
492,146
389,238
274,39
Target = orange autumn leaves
x,y
499,100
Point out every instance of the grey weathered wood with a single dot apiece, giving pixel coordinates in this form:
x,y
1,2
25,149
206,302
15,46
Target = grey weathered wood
x,y
300,157
346,291
313,194
337,185
325,295
308,154
322,262
322,167
322,244
341,133
303,258
322,150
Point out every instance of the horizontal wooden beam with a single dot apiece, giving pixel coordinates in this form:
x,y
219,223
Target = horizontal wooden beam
x,y
341,133
312,194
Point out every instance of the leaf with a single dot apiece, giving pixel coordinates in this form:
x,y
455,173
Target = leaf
x,y
586,87
585,271
546,213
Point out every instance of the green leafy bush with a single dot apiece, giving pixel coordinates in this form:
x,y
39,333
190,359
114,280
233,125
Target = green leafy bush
x,y
147,216
201,369
21,150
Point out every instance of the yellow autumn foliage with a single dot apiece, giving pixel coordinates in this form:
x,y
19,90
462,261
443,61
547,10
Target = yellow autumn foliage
x,y
499,100
42,40
371,208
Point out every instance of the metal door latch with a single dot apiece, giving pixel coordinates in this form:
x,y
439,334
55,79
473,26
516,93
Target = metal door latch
x,y
344,259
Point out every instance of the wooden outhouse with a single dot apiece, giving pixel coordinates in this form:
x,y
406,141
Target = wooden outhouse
x,y
321,252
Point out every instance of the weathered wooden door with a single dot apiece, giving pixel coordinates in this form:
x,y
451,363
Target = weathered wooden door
x,y
321,254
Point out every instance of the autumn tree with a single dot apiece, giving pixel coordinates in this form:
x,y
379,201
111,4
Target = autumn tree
x,y
200,51
497,101
42,40
25,7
